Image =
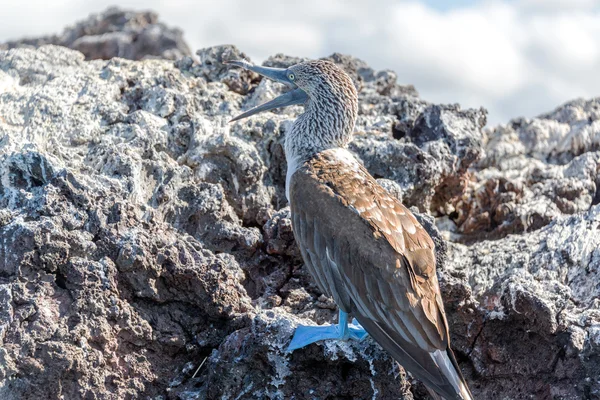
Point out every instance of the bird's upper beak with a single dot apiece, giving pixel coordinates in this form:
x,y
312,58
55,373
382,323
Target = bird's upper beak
x,y
294,96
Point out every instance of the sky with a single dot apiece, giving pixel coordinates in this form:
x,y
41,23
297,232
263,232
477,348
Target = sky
x,y
517,58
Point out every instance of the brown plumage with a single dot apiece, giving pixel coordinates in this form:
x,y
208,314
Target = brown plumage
x,y
362,246
367,251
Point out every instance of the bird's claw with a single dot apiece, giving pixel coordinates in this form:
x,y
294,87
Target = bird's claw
x,y
305,335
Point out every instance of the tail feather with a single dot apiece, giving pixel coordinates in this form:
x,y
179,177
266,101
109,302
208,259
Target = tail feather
x,y
438,370
446,362
464,389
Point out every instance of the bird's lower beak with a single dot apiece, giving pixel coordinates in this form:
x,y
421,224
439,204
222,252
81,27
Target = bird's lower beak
x,y
295,96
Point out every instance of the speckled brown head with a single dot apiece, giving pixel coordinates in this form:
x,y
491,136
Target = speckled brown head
x,y
325,82
330,100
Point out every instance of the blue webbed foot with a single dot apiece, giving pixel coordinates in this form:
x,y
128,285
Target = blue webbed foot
x,y
305,335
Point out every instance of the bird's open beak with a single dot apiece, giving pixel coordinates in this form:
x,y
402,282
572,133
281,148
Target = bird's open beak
x,y
294,96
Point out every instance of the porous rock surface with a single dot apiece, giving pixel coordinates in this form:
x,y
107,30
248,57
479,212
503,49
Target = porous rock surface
x,y
116,33
146,248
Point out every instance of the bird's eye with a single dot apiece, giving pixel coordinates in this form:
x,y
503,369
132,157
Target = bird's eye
x,y
291,76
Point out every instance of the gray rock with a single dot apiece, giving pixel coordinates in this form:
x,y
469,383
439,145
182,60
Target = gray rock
x,y
237,367
139,228
531,303
534,171
116,33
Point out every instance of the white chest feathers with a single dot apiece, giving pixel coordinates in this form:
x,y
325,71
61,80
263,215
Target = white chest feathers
x,y
292,166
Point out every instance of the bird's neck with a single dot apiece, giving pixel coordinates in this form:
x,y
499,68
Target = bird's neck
x,y
320,128
316,130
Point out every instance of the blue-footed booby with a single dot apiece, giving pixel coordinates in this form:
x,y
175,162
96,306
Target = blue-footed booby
x,y
362,246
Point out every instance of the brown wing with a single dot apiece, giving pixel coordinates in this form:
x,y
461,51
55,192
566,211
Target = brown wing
x,y
369,253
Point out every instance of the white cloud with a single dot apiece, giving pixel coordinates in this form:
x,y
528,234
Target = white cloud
x,y
465,47
556,5
517,57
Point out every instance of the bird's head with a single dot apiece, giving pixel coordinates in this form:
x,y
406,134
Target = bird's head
x,y
320,84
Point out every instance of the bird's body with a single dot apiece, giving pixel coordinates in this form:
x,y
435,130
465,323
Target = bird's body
x,y
362,246
368,252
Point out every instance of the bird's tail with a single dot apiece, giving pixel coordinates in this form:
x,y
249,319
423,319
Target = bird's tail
x,y
448,365
438,370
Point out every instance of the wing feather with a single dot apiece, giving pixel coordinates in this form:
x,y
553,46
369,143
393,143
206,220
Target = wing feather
x,y
354,274
372,256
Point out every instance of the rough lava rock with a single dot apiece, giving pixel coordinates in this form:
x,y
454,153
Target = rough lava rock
x,y
146,249
534,172
116,33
